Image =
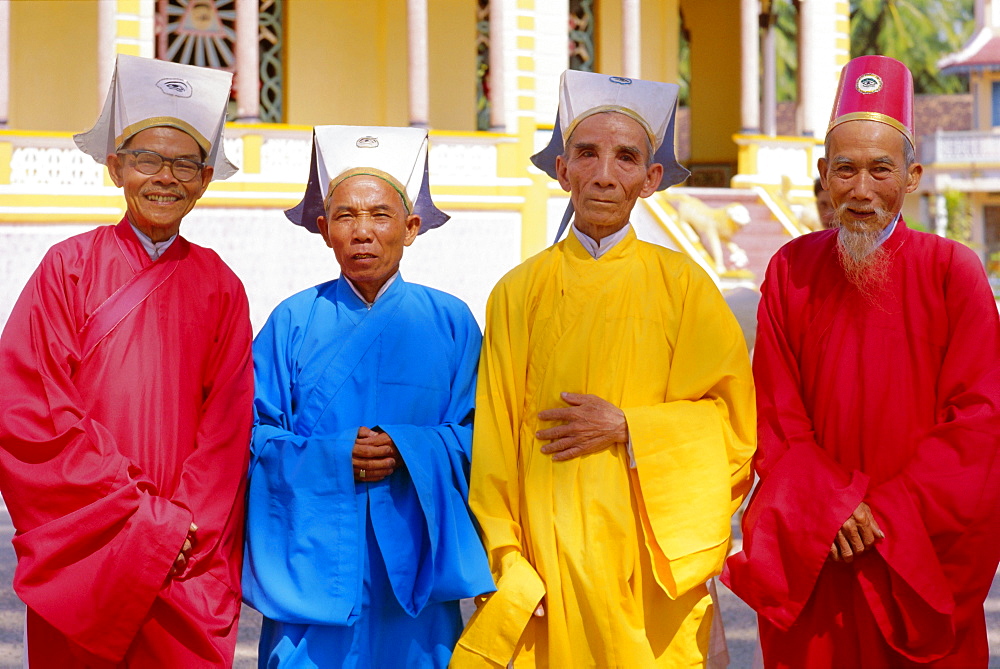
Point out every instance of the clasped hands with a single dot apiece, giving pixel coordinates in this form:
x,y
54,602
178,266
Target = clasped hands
x,y
180,562
859,533
375,456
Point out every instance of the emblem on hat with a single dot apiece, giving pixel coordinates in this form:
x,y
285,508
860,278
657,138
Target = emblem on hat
x,y
624,81
868,84
176,87
367,142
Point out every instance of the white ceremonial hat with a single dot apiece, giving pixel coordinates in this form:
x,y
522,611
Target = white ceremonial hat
x,y
148,93
652,104
398,156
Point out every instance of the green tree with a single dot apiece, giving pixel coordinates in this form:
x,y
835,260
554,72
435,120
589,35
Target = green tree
x,y
916,32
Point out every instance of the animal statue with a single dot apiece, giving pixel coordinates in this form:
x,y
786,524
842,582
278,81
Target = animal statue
x,y
714,227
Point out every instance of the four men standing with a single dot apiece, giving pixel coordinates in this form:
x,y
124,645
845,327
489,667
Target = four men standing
x,y
614,431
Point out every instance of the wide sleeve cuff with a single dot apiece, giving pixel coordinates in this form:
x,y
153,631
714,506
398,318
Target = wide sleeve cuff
x,y
680,452
788,529
907,590
492,634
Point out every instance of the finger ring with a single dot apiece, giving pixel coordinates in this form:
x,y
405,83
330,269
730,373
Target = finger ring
x,y
362,473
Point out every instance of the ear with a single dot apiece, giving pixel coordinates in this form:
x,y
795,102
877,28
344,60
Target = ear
x,y
821,167
115,167
412,229
654,175
206,178
913,177
324,230
561,173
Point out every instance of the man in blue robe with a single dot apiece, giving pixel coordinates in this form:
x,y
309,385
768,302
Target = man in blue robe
x,y
359,538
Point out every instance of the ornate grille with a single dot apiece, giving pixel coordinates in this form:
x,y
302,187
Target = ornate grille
x,y
581,35
483,65
272,72
197,32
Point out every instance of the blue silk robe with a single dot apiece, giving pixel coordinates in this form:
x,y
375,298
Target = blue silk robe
x,y
349,573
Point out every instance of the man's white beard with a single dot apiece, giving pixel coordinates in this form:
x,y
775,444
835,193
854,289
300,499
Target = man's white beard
x,y
865,262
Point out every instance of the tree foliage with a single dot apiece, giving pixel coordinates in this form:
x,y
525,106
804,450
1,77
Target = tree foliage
x,y
916,32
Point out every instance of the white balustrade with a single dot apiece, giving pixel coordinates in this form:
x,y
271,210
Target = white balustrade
x,y
285,160
457,162
35,167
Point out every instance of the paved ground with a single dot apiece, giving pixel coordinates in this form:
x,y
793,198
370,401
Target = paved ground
x,y
739,620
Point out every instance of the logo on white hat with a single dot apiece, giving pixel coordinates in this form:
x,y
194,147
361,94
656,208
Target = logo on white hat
x,y
176,87
624,81
869,83
367,142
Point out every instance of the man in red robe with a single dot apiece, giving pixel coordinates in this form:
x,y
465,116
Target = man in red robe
x,y
872,539
126,405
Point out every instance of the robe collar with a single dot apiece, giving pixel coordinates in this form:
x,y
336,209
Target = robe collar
x,y
348,295
597,248
153,249
575,248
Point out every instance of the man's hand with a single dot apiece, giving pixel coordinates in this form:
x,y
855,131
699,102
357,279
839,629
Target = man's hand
x,y
182,558
375,456
859,533
590,424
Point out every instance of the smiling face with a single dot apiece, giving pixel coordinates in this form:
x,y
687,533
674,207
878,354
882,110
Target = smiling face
x,y
865,171
604,170
157,202
367,226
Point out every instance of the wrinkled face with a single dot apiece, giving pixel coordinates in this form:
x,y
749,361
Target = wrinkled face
x,y
367,227
157,202
865,172
604,170
825,208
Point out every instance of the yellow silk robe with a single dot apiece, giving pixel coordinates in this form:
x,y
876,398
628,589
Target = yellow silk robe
x,y
620,555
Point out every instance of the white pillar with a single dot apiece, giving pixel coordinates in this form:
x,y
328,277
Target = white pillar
x,y
631,39
818,66
769,100
498,120
4,62
107,31
940,215
416,24
247,60
750,66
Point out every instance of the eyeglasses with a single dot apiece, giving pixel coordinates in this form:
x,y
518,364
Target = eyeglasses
x,y
150,163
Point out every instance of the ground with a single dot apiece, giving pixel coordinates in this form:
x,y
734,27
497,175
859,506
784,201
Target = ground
x,y
739,620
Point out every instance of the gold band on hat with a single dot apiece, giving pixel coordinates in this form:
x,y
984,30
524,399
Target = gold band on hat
x,y
872,116
631,113
370,172
159,122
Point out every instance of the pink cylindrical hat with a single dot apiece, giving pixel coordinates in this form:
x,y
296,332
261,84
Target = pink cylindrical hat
x,y
875,88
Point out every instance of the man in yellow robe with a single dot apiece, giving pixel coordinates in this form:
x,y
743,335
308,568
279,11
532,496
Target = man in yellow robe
x,y
614,415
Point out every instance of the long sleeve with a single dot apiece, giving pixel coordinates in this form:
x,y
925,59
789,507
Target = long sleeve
x,y
698,443
427,498
103,528
494,491
950,486
302,512
804,496
211,486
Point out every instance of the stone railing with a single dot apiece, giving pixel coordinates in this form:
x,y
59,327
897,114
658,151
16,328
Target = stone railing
x,y
960,148
41,170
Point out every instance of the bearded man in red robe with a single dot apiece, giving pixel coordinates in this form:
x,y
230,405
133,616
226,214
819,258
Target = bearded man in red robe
x,y
871,540
126,409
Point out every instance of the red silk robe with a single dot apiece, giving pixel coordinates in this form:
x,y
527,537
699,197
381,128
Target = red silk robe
x,y
106,459
897,405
